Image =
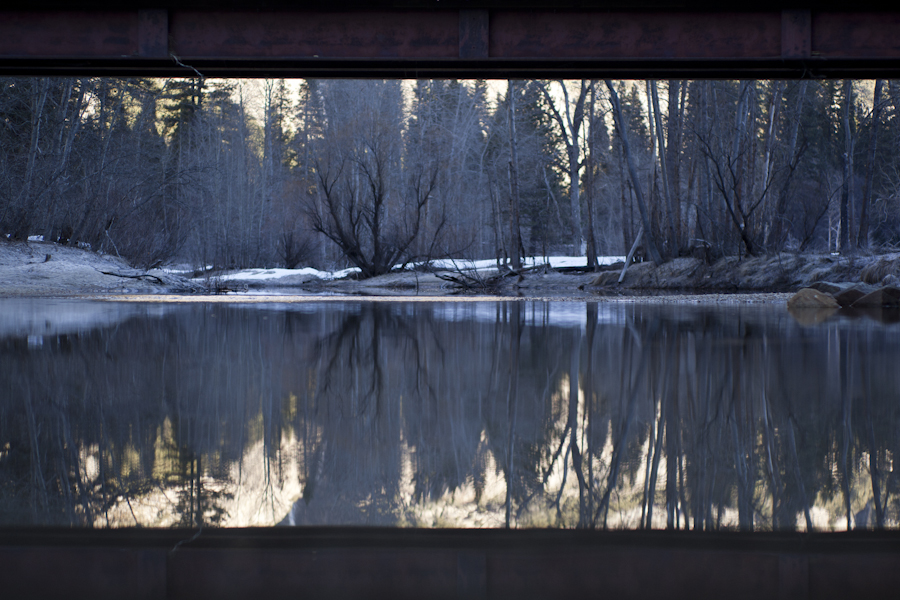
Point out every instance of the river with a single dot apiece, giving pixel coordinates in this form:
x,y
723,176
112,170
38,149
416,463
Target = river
x,y
447,414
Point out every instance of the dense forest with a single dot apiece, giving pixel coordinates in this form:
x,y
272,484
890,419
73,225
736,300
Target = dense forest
x,y
334,173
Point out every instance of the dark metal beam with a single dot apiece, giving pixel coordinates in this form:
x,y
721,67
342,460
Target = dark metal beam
x,y
469,42
397,563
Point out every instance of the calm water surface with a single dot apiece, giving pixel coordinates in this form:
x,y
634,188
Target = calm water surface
x,y
475,414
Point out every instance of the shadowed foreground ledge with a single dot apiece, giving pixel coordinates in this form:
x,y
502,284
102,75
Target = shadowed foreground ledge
x,y
398,563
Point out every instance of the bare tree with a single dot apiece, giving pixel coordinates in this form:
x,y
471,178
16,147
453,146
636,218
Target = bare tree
x,y
622,128
570,130
730,154
515,235
367,207
671,208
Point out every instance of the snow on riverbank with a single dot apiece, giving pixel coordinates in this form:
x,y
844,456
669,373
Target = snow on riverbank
x,y
279,273
35,269
46,269
272,275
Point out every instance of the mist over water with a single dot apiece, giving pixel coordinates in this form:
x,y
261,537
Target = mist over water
x,y
446,414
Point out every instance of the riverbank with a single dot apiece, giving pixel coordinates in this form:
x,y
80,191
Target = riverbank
x,y
782,273
43,269
779,274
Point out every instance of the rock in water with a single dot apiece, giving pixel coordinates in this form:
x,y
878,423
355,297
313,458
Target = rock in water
x,y
884,297
892,290
826,287
849,296
810,298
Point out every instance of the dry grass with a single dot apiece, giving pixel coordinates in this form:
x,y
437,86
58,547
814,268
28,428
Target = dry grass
x,y
773,272
880,267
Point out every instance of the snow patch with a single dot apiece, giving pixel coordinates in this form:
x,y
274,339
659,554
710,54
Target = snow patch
x,y
555,262
450,264
270,274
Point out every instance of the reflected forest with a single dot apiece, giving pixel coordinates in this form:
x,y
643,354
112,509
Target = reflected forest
x,y
456,414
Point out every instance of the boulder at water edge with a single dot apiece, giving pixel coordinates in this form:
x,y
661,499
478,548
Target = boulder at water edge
x,y
849,296
885,297
810,298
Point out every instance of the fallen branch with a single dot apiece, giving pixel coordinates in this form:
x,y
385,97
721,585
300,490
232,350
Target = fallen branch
x,y
634,247
140,276
469,282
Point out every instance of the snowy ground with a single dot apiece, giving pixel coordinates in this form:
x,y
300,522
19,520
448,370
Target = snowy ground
x,y
308,273
39,268
46,269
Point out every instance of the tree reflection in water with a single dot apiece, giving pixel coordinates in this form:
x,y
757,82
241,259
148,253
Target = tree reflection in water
x,y
518,414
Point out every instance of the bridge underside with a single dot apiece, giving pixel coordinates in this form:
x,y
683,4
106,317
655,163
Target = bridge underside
x,y
377,563
463,43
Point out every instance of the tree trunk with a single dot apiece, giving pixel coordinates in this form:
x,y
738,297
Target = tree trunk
x,y
499,238
675,133
632,169
570,128
774,105
734,205
584,491
652,187
670,398
624,188
661,148
28,204
512,400
589,183
515,244
847,163
862,239
777,229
